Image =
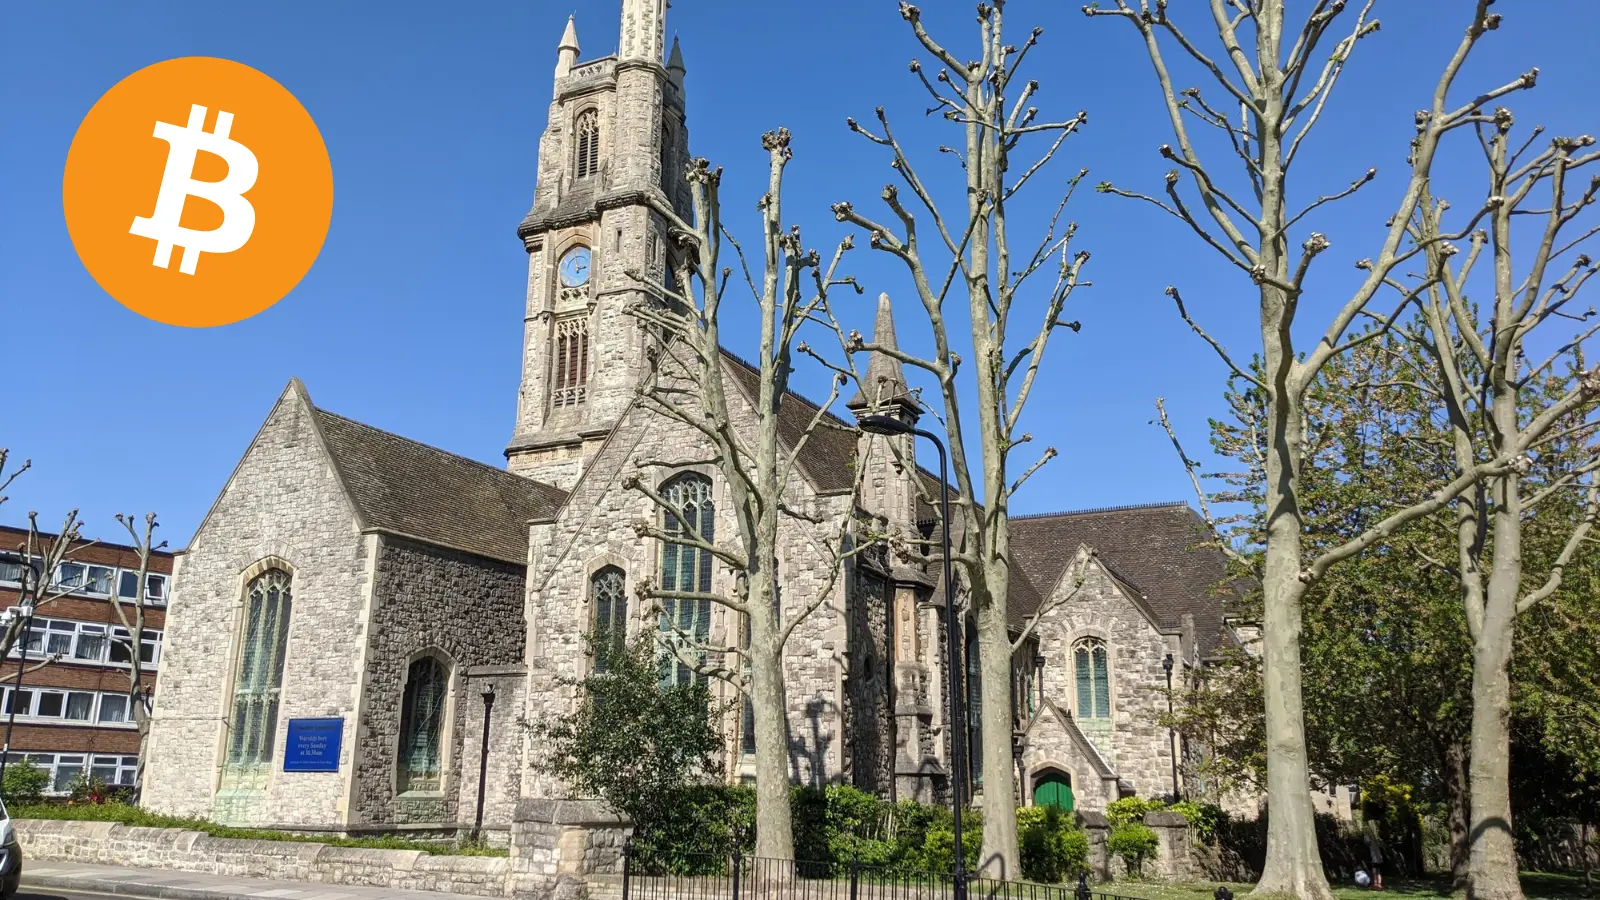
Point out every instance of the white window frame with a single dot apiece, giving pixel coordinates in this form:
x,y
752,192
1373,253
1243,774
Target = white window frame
x,y
97,707
71,764
74,631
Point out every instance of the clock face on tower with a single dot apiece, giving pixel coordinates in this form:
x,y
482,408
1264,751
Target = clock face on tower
x,y
574,267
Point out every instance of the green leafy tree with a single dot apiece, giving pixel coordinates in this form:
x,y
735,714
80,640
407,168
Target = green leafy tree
x,y
644,748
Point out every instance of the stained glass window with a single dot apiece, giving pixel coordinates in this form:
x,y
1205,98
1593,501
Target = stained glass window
x,y
588,143
1094,680
422,725
609,597
268,603
685,622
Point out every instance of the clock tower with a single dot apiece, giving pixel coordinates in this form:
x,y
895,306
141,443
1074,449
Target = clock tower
x,y
610,163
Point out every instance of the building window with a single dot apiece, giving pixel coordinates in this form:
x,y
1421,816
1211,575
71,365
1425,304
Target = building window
x,y
1094,680
669,178
686,623
587,134
422,725
608,597
155,592
71,706
268,604
86,642
65,768
572,362
747,717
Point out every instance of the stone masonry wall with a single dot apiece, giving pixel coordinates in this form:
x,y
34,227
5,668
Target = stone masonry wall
x,y
1139,747
283,501
174,849
467,610
595,529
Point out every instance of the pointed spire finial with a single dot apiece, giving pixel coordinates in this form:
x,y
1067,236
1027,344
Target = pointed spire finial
x,y
885,381
675,62
569,40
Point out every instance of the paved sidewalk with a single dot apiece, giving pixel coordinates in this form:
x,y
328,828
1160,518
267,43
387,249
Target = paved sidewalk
x,y
161,883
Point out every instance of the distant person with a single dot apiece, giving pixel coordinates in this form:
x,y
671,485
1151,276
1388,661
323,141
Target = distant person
x,y
1375,860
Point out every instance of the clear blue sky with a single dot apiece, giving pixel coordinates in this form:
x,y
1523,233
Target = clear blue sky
x,y
410,320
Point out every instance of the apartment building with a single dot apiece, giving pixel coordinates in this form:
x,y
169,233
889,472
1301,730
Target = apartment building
x,y
72,716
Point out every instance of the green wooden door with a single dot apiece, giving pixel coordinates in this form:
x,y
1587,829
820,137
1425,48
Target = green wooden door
x,y
1053,789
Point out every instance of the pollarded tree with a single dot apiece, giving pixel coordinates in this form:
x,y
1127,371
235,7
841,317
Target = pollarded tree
x,y
750,448
1279,78
1503,404
969,252
139,699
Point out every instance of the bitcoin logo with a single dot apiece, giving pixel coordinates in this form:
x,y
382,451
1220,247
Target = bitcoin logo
x,y
177,183
253,194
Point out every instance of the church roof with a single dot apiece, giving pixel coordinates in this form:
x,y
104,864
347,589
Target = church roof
x,y
407,488
1158,552
828,459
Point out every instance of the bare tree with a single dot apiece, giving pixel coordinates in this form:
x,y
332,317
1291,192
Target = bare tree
x,y
39,558
758,462
1501,404
139,699
971,253
1280,96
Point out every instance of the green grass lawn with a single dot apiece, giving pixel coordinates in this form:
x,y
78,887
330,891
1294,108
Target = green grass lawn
x,y
1537,886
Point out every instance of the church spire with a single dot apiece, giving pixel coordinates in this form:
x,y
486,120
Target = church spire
x,y
675,62
567,52
885,381
644,29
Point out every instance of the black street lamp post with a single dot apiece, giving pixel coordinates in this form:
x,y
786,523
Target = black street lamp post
x,y
483,758
1172,734
888,425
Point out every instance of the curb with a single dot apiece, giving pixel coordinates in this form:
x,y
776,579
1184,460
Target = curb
x,y
128,888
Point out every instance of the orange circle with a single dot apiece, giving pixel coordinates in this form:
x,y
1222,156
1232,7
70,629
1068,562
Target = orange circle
x,y
117,168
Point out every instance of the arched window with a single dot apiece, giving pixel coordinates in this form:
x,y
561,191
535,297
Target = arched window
x,y
586,134
669,178
1093,678
572,362
256,686
422,725
608,598
692,514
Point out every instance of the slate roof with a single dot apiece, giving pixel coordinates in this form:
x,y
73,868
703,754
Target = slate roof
x,y
1155,551
828,458
401,486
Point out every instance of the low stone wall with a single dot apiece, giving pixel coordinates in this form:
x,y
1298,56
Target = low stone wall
x,y
176,849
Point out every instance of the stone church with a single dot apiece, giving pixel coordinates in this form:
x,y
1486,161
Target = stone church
x,y
363,626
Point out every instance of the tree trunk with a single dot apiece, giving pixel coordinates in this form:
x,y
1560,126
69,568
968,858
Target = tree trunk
x,y
1001,854
774,828
1492,861
1459,816
1293,866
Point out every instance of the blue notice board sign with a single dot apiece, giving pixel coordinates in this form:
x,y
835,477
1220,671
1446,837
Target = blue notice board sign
x,y
313,745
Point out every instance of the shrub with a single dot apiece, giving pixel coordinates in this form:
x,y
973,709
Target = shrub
x,y
939,846
1053,848
1203,817
1131,809
25,784
1135,842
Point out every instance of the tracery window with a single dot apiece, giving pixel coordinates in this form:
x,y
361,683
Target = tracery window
x,y
1092,667
608,598
268,604
587,144
572,362
422,725
686,622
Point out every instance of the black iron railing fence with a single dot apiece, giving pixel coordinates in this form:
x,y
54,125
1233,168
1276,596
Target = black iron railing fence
x,y
646,876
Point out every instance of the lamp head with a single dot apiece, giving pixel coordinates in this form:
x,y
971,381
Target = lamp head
x,y
487,691
883,425
1167,663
